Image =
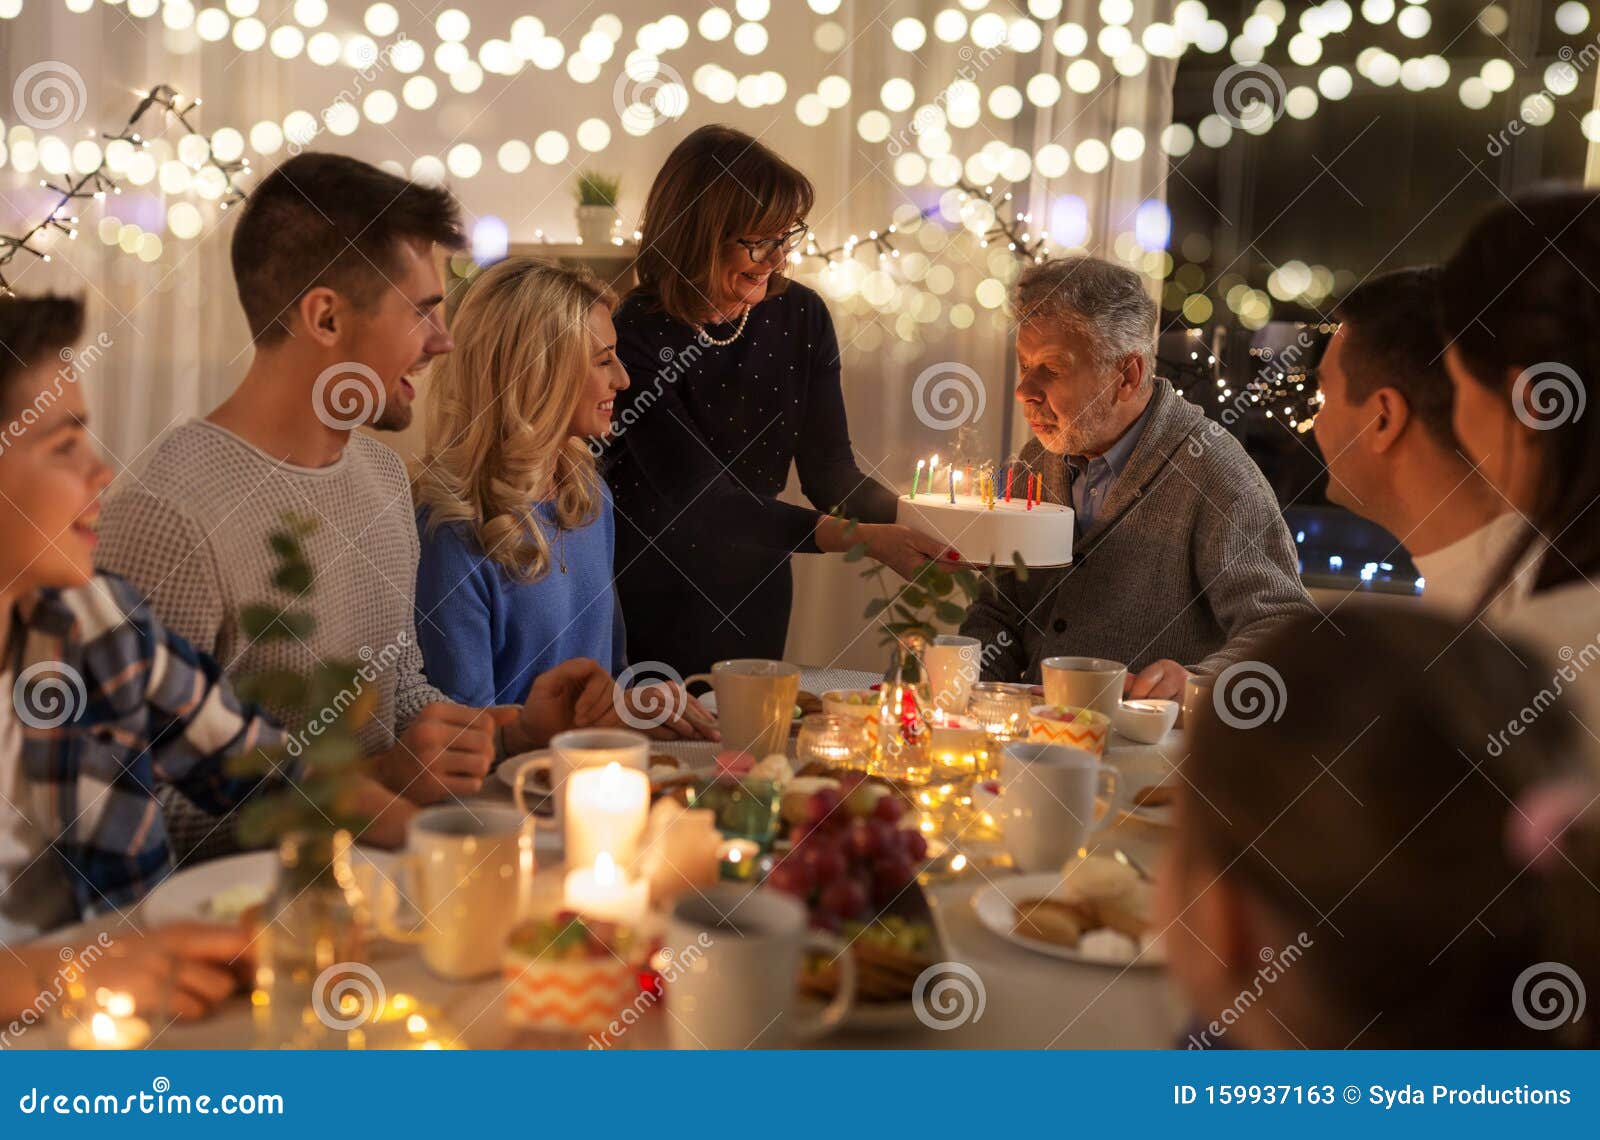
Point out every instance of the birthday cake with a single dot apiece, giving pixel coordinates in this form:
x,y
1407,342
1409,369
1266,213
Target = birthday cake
x,y
988,529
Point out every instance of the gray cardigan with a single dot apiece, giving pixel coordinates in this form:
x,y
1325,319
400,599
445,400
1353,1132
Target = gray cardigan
x,y
1189,559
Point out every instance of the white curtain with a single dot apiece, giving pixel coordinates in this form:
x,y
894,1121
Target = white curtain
x,y
179,339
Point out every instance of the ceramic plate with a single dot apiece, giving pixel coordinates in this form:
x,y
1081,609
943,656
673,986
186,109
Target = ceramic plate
x,y
188,895
995,906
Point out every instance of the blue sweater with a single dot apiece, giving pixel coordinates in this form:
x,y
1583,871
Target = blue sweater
x,y
485,636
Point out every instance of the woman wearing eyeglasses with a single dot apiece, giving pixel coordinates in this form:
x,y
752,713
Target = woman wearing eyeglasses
x,y
735,374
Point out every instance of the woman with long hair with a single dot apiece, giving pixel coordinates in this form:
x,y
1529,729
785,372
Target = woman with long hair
x,y
516,524
1522,311
736,380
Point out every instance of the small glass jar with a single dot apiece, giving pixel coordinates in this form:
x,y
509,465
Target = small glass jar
x,y
1002,709
313,926
834,741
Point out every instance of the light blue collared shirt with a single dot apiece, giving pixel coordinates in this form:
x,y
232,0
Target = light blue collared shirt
x,y
1092,478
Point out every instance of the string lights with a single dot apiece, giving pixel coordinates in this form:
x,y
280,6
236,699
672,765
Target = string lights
x,y
98,181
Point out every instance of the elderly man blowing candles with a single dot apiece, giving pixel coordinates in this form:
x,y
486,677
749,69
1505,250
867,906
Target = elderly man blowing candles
x,y
1182,561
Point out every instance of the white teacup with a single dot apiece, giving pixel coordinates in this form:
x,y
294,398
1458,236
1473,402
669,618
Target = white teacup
x,y
1047,801
736,962
579,748
953,664
1083,683
755,702
468,875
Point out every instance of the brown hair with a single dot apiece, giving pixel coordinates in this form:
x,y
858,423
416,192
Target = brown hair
x,y
32,330
330,220
716,185
1518,300
1393,341
1374,815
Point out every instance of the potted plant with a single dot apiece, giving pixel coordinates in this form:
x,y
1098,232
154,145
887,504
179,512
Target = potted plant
x,y
598,219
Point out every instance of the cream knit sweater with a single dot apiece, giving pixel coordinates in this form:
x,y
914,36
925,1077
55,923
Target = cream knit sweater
x,y
190,530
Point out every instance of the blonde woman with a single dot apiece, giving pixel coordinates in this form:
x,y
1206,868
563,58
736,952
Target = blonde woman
x,y
515,522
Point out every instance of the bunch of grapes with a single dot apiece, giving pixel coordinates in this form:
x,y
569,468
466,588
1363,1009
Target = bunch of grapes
x,y
849,854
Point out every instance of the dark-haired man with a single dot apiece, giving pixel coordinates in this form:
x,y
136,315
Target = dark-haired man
x,y
335,263
1385,433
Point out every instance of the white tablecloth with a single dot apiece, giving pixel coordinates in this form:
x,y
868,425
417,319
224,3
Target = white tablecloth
x,y
1030,1001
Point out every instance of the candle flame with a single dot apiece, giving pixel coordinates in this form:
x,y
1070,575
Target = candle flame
x,y
605,869
921,463
103,1028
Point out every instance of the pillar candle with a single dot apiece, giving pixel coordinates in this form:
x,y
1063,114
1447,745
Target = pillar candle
x,y
606,810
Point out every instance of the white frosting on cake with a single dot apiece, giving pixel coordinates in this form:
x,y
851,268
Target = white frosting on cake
x,y
1042,536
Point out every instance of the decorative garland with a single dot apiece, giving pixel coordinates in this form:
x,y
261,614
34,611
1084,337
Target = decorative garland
x,y
98,182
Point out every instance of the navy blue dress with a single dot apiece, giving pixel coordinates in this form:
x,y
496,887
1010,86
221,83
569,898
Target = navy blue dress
x,y
701,447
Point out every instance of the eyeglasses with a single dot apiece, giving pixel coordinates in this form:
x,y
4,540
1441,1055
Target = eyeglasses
x,y
763,250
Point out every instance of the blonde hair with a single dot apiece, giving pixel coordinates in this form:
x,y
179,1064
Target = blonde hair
x,y
502,404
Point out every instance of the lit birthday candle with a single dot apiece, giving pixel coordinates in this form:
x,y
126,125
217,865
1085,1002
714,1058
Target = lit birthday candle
x,y
955,477
1010,470
916,478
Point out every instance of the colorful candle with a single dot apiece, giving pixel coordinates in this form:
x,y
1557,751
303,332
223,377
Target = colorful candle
x,y
952,481
1030,490
1009,472
915,479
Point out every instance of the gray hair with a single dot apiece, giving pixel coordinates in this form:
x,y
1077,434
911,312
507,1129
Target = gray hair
x,y
1105,302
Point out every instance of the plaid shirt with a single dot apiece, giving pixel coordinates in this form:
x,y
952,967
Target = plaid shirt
x,y
112,705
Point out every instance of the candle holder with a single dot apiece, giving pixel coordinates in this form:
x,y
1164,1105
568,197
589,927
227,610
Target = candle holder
x,y
1002,709
743,807
834,741
105,1017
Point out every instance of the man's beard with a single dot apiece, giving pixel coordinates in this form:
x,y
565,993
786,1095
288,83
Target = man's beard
x,y
1082,433
394,417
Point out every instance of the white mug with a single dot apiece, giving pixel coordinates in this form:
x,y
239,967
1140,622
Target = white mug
x,y
580,748
468,873
953,664
1047,801
736,957
755,702
1083,683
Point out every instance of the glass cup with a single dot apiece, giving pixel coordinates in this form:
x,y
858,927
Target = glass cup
x,y
834,741
1002,709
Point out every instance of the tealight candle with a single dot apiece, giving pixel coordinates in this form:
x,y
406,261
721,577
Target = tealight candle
x,y
604,893
956,734
738,859
606,811
111,1026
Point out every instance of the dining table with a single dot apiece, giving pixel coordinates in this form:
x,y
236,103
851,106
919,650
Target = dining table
x,y
1028,1000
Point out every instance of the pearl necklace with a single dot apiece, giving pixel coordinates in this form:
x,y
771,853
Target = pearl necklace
x,y
709,339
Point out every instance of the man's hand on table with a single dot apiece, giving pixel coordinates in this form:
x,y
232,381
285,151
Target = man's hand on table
x,y
446,750
575,694
663,710
1158,681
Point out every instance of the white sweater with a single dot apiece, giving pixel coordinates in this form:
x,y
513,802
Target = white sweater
x,y
190,530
